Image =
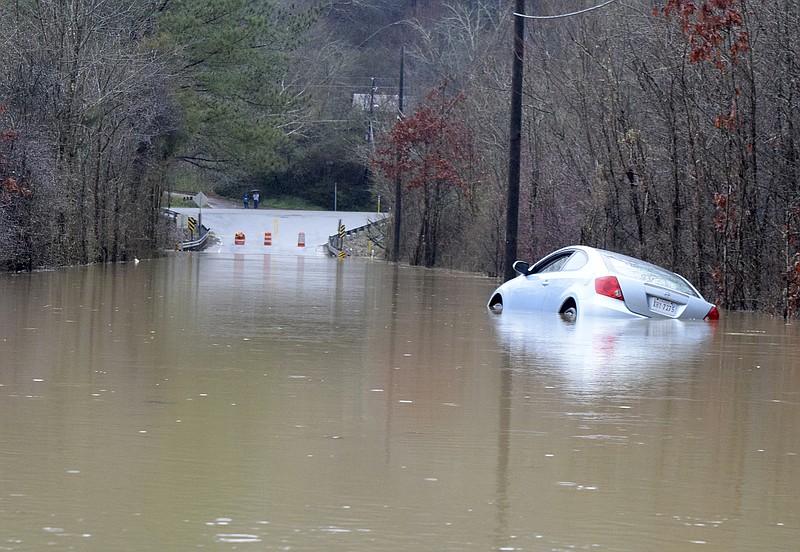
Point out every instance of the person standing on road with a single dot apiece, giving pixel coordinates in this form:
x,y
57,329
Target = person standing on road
x,y
245,201
255,200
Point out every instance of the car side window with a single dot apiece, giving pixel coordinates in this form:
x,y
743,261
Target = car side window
x,y
568,261
554,265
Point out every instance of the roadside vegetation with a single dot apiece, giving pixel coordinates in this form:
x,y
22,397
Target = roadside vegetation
x,y
665,129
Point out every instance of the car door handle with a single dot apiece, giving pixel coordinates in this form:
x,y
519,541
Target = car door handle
x,y
545,282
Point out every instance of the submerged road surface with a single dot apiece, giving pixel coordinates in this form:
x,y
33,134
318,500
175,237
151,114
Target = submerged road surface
x,y
277,230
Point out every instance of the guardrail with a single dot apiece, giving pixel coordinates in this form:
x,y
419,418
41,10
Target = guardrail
x,y
169,213
336,242
195,244
190,245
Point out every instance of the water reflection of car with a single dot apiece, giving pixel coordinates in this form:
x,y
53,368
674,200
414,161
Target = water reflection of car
x,y
594,354
581,280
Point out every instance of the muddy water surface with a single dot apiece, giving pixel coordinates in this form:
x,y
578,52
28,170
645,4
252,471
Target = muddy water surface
x,y
298,403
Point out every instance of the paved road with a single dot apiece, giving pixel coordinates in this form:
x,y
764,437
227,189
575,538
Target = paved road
x,y
284,225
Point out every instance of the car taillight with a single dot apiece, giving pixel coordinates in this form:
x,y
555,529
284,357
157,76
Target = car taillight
x,y
608,286
713,314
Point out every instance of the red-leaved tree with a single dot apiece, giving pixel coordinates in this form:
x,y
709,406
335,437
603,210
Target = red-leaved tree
x,y
429,151
10,187
717,34
715,29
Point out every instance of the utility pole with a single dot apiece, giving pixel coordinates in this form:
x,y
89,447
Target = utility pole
x,y
515,142
398,184
370,132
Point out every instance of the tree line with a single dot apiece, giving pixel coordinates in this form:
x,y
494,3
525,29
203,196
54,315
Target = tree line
x,y
665,129
107,104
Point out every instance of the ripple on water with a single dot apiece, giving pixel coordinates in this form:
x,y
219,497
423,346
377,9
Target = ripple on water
x,y
237,538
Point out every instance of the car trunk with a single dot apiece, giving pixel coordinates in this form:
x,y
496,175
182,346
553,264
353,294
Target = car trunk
x,y
655,302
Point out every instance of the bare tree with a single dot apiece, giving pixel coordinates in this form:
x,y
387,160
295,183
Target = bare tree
x,y
85,97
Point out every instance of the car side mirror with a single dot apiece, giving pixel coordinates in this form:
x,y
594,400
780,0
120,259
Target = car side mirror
x,y
521,267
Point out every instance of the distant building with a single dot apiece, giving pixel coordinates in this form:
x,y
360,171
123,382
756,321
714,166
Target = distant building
x,y
380,102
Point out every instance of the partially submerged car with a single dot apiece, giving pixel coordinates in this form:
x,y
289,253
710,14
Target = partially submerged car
x,y
579,281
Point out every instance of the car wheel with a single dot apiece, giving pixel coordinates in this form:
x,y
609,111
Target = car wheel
x,y
570,313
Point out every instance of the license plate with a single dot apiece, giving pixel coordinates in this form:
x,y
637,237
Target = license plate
x,y
662,306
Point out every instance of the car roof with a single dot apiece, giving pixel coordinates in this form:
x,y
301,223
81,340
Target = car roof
x,y
677,281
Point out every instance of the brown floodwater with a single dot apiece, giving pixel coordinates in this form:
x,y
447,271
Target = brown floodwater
x,y
253,402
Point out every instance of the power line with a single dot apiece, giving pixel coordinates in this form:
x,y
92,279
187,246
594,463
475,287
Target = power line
x,y
565,14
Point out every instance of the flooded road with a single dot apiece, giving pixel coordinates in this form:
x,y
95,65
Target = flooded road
x,y
254,402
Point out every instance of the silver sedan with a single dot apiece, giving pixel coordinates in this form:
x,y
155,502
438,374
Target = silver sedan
x,y
581,280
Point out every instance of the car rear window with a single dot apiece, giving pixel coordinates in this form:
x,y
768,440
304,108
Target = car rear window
x,y
646,272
